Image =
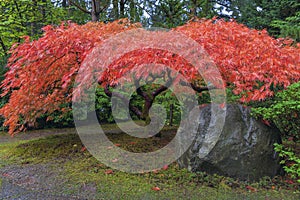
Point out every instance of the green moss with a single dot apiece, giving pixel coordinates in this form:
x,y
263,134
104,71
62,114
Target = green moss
x,y
79,168
7,151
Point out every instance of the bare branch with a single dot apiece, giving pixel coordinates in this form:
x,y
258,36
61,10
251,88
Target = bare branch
x,y
3,46
138,89
80,7
197,88
159,90
164,87
126,101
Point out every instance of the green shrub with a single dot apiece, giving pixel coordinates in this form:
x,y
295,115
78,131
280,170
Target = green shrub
x,y
284,111
290,160
3,100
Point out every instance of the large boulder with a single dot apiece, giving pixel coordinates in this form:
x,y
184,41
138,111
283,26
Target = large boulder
x,y
242,148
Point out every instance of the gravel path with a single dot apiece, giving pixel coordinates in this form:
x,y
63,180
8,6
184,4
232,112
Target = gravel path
x,y
5,137
39,181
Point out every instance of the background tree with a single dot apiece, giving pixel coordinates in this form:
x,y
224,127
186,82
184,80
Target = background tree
x,y
290,27
169,13
262,14
27,17
94,8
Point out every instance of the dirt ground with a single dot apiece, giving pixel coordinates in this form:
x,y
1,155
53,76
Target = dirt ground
x,y
39,181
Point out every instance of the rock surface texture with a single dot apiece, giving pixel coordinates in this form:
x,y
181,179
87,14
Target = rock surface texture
x,y
242,148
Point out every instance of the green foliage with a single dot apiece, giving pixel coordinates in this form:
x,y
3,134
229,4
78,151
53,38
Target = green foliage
x,y
3,69
275,16
290,27
170,13
103,106
26,17
74,14
58,119
290,160
169,101
284,111
3,100
201,8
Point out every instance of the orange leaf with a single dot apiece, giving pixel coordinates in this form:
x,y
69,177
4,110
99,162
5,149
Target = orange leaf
x,y
266,122
222,105
109,171
156,188
250,188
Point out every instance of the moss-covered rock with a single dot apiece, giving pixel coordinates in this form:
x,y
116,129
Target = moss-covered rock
x,y
242,148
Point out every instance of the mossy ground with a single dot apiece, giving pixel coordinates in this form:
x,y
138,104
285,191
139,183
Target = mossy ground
x,y
79,169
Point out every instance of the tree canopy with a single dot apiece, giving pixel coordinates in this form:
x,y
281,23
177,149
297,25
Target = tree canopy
x,y
27,17
42,72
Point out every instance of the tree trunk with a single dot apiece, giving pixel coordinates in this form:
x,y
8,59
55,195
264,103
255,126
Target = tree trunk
x,y
64,3
193,8
171,114
145,114
206,8
122,8
95,10
116,9
3,46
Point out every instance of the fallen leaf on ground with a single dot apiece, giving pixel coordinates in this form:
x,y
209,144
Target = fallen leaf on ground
x,y
83,149
165,167
156,188
252,189
109,171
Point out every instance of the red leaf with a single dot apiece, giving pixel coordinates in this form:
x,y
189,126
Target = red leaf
x,y
266,122
252,189
156,188
6,175
289,182
109,171
222,105
165,167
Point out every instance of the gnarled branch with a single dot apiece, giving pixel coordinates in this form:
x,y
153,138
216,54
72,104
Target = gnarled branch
x,y
134,109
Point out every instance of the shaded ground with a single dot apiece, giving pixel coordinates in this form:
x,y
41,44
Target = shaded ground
x,y
36,181
52,164
30,182
4,137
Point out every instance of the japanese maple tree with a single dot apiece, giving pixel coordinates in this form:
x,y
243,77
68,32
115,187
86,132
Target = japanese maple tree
x,y
41,73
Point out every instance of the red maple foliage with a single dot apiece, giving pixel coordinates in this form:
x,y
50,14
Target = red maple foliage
x,y
41,73
250,59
